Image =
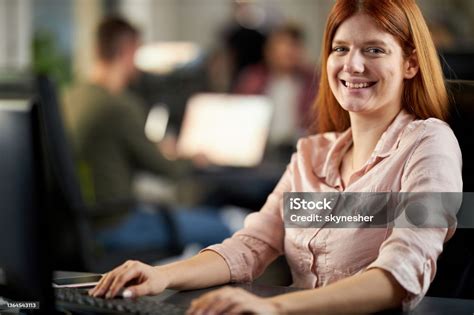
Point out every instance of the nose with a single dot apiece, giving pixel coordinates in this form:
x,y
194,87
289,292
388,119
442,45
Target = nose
x,y
354,62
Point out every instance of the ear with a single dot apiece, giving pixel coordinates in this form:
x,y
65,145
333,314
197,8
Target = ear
x,y
411,65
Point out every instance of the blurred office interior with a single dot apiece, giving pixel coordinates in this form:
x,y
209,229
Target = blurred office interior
x,y
191,47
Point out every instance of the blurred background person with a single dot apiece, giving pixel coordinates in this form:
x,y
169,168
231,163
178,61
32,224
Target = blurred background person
x,y
244,36
444,35
107,128
286,78
95,110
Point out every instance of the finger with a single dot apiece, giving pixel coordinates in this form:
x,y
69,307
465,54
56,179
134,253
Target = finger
x,y
107,279
205,303
103,285
194,308
208,310
92,291
207,307
234,303
137,290
121,279
221,306
239,308
199,304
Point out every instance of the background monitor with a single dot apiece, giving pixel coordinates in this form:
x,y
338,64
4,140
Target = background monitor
x,y
458,65
230,130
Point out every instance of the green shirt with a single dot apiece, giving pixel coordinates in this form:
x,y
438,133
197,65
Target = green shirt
x,y
107,132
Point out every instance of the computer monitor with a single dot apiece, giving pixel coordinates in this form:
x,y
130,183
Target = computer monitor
x,y
458,65
24,254
62,195
230,130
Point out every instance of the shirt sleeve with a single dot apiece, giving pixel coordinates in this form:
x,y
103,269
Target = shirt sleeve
x,y
249,251
410,254
142,152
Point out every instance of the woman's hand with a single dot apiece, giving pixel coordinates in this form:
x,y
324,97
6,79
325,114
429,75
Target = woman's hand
x,y
140,279
230,300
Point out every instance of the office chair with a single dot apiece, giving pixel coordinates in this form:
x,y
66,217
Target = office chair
x,y
74,228
455,274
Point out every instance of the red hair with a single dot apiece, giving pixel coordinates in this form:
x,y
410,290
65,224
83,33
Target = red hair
x,y
424,95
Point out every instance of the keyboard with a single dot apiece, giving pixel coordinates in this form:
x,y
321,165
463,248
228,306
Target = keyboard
x,y
75,299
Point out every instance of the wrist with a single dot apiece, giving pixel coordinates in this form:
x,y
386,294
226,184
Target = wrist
x,y
278,305
165,276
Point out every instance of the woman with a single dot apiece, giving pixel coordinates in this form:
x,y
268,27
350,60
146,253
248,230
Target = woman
x,y
380,102
286,80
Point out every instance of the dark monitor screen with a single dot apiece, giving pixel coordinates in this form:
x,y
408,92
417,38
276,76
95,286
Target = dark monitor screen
x,y
458,65
24,275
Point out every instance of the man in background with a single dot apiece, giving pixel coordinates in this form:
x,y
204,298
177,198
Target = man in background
x,y
107,122
107,128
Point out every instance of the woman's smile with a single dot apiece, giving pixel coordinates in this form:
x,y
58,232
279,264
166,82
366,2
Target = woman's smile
x,y
357,85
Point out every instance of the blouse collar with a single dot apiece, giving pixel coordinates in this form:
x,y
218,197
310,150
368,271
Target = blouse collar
x,y
385,146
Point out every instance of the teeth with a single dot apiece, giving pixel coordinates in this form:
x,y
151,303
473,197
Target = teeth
x,y
356,85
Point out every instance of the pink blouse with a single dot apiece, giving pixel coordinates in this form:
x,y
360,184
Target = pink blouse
x,y
411,156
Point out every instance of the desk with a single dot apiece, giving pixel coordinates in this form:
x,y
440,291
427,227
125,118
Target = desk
x,y
429,305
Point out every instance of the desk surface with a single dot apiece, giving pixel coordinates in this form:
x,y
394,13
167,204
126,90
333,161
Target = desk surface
x,y
429,305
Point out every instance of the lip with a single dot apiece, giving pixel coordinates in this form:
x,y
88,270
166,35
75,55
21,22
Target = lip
x,y
357,84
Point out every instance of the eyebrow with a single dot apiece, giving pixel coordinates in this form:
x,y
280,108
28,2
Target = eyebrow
x,y
369,42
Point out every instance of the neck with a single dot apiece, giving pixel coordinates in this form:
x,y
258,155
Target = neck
x,y
109,76
366,132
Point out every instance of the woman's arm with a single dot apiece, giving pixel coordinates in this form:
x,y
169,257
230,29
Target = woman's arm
x,y
203,270
371,291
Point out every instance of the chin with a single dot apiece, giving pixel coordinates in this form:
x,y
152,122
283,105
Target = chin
x,y
354,107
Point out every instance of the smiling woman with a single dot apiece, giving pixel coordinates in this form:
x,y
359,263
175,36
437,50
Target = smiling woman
x,y
397,27
381,101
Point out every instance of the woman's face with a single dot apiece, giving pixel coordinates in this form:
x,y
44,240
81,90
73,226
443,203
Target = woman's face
x,y
366,67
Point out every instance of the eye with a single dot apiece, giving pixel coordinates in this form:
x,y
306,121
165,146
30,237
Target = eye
x,y
339,49
375,50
